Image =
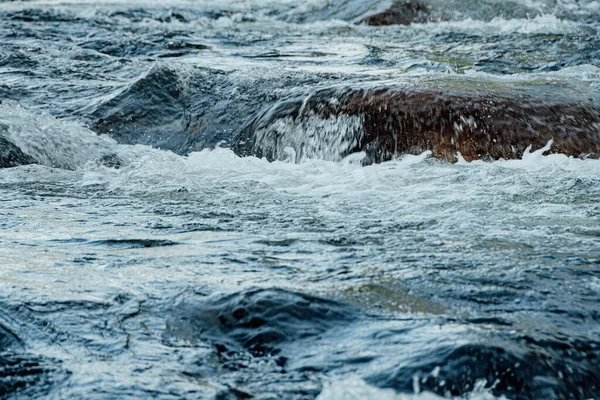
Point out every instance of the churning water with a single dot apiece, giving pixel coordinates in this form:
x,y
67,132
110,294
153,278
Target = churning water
x,y
151,261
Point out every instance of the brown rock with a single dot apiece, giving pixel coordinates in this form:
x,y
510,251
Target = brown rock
x,y
400,13
395,120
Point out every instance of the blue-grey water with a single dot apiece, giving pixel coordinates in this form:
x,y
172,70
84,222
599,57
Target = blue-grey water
x,y
140,257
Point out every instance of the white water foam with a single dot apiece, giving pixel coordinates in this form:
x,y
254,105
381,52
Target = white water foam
x,y
544,23
411,177
314,137
52,142
354,388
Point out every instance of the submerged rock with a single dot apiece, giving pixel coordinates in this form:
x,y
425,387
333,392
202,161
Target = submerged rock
x,y
399,13
259,320
391,120
28,138
188,109
11,155
149,107
191,109
370,12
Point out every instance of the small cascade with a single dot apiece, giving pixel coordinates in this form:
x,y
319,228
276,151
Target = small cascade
x,y
26,138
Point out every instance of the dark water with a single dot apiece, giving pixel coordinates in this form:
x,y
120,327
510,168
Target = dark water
x,y
146,263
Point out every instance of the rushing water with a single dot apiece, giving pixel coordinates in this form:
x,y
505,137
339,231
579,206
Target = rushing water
x,y
154,262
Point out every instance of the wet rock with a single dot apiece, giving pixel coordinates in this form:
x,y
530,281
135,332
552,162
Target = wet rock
x,y
405,12
28,138
369,12
490,122
111,161
259,321
149,107
11,155
399,13
175,110
188,109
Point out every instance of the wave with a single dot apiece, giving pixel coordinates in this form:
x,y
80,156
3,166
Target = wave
x,y
354,388
540,24
27,138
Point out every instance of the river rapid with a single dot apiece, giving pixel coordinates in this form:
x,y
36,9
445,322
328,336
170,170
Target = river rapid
x,y
143,256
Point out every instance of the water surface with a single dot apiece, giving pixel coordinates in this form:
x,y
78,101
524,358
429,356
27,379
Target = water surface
x,y
150,264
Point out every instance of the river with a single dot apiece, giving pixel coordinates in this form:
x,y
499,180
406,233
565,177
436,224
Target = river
x,y
144,256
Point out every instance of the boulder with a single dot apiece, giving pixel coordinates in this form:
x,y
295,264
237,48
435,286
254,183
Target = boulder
x,y
399,13
145,111
37,138
387,121
11,155
369,12
186,109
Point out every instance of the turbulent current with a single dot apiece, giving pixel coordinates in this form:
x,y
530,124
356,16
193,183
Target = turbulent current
x,y
281,199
